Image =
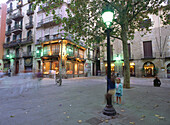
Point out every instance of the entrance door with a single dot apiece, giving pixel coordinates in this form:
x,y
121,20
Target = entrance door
x,y
17,67
168,71
39,65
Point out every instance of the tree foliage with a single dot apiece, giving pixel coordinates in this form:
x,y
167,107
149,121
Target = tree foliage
x,y
85,22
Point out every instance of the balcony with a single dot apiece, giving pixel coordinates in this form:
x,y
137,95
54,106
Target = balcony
x,y
14,43
17,55
17,16
9,10
8,33
29,25
27,54
47,22
5,57
17,29
8,20
27,40
29,1
30,12
54,37
19,4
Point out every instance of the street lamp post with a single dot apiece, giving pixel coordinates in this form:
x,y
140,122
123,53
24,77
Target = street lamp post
x,y
107,18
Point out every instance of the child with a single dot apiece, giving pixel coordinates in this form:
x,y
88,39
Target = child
x,y
119,90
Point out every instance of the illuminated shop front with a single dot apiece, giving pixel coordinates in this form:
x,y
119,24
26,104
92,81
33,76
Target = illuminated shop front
x,y
112,67
132,68
72,58
148,69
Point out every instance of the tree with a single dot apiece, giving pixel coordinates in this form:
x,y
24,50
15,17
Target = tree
x,y
85,22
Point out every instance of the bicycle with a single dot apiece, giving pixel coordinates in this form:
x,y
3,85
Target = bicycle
x,y
58,80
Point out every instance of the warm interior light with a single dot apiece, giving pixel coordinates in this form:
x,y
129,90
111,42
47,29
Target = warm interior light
x,y
132,64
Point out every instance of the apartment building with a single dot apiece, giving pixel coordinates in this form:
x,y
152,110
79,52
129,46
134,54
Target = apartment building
x,y
54,49
148,55
19,44
2,32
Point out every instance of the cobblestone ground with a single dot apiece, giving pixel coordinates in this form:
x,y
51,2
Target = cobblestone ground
x,y
26,101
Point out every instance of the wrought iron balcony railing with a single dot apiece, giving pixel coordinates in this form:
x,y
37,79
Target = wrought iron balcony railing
x,y
29,25
30,12
17,16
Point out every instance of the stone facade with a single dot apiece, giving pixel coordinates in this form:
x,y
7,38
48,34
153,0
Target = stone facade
x,y
140,64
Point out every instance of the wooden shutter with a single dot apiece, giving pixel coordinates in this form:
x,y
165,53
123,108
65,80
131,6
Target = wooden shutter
x,y
147,48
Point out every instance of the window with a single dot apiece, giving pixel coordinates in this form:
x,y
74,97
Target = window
x,y
55,66
7,52
46,67
46,50
75,68
17,52
8,39
75,52
147,48
55,48
70,50
81,53
129,50
81,68
30,19
69,67
29,33
29,48
9,27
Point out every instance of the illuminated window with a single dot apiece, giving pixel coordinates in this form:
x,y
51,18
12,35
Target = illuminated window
x,y
76,68
81,53
70,50
81,68
75,52
55,48
46,67
46,50
69,67
55,66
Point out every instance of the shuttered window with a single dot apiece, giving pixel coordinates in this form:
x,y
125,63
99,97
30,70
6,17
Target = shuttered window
x,y
147,48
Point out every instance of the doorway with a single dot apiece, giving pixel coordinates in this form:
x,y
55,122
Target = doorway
x,y
168,70
17,67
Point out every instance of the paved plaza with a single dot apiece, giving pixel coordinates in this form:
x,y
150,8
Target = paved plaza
x,y
80,101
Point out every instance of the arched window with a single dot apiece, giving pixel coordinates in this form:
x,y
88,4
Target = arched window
x,y
148,69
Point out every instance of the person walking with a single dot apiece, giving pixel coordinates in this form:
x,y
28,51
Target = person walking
x,y
9,72
157,82
119,90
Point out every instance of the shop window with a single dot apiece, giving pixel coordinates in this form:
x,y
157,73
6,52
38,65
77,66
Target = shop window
x,y
46,50
76,68
55,66
81,68
81,53
70,51
75,52
69,67
55,48
46,67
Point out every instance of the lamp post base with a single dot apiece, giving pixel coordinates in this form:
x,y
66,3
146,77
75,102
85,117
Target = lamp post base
x,y
109,110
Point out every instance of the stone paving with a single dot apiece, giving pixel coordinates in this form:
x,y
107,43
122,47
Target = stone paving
x,y
26,101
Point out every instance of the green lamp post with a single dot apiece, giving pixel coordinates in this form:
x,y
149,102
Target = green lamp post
x,y
107,17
